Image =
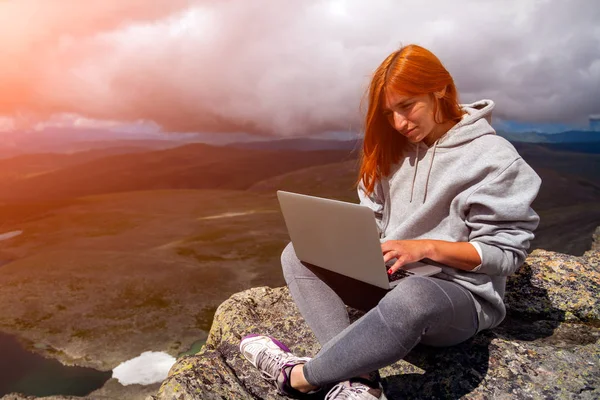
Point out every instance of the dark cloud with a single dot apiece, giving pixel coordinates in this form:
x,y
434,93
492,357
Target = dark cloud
x,y
284,68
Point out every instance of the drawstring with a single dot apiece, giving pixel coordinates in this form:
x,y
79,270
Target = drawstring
x,y
428,172
415,174
412,189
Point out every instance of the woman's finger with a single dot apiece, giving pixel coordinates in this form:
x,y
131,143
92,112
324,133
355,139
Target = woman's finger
x,y
394,268
389,245
388,256
400,262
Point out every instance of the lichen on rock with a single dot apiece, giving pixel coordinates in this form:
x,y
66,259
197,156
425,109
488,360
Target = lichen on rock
x,y
596,239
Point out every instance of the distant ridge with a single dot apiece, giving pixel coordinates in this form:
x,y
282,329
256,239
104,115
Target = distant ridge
x,y
192,166
574,142
582,147
300,144
563,137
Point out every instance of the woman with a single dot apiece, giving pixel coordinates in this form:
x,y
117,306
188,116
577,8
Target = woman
x,y
442,186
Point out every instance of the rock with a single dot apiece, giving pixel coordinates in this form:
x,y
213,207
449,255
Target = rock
x,y
548,346
17,396
557,287
596,239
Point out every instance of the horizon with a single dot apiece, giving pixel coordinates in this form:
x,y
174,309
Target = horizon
x,y
75,133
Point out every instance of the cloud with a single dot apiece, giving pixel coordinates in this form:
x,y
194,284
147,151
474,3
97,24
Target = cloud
x,y
285,68
6,124
75,121
148,368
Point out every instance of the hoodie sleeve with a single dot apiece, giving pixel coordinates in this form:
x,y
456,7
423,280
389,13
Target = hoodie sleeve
x,y
501,220
375,201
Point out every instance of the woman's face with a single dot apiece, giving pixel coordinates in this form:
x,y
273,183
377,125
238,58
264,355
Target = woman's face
x,y
411,116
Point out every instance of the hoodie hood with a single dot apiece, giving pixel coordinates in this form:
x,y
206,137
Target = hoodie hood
x,y
475,123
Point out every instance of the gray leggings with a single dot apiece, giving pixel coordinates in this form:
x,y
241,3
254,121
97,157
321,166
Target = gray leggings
x,y
420,309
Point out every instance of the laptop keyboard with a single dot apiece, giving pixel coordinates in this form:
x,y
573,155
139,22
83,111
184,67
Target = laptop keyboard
x,y
401,273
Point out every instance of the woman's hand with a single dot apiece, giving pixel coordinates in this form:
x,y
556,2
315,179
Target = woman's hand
x,y
405,251
460,255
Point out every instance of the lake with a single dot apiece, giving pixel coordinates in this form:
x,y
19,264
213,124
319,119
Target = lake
x,y
25,372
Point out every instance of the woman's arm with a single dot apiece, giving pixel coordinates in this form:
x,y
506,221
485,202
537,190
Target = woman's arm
x,y
375,201
501,222
500,218
460,255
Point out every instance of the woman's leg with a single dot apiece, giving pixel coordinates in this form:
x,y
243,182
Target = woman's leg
x,y
322,309
419,309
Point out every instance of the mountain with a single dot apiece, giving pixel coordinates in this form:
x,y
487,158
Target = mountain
x,y
580,142
574,165
194,166
582,147
28,165
300,144
68,140
563,137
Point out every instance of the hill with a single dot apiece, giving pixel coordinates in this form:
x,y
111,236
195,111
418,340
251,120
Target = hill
x,y
28,165
194,166
583,147
300,144
332,181
562,137
53,139
572,164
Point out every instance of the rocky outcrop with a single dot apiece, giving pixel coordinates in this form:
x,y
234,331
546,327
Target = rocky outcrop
x,y
548,346
596,240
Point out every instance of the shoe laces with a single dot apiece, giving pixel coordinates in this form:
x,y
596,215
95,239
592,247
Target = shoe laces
x,y
345,391
270,363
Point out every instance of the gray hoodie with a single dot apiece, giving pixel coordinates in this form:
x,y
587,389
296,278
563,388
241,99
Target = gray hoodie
x,y
470,186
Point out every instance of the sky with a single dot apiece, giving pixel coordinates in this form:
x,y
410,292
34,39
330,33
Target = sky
x,y
284,68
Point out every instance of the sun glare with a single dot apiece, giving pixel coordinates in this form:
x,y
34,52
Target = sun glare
x,y
6,124
199,21
338,8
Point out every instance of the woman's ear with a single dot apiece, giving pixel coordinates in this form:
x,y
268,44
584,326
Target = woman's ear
x,y
441,93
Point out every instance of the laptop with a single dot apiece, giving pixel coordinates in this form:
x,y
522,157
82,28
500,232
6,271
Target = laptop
x,y
341,237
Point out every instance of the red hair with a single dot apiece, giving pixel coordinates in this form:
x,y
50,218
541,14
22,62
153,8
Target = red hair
x,y
411,71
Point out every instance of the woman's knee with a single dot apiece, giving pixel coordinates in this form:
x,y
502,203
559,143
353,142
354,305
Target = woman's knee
x,y
290,263
414,299
288,255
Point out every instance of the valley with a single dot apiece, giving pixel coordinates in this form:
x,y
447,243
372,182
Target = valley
x,y
124,253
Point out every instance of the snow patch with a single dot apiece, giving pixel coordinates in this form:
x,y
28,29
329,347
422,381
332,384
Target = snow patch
x,y
148,368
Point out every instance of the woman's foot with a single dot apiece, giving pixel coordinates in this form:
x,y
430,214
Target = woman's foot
x,y
275,363
356,389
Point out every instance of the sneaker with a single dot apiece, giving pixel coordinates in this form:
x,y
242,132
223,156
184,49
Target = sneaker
x,y
356,389
274,361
